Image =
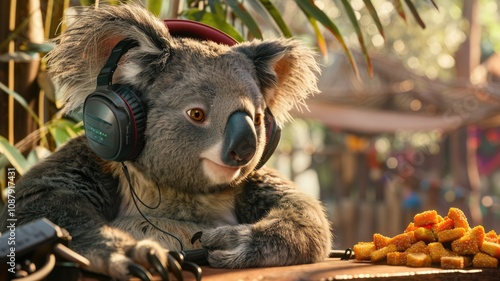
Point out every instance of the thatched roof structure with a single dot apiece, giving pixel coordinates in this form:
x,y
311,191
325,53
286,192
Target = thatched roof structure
x,y
396,99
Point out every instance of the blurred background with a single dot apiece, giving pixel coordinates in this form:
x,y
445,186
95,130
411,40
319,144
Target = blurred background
x,y
407,119
422,133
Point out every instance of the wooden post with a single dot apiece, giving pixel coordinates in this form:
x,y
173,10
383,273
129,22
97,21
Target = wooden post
x,y
19,76
463,153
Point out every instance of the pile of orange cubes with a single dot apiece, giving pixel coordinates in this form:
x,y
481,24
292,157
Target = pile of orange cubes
x,y
431,240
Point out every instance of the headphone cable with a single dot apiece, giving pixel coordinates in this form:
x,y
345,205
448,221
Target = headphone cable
x,y
127,175
134,196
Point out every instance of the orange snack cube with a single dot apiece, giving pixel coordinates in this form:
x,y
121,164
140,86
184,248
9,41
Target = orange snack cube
x,y
403,241
396,258
454,262
446,224
380,240
418,260
458,217
411,227
426,218
437,251
484,260
381,254
363,250
470,243
439,218
449,235
492,249
491,236
425,234
419,247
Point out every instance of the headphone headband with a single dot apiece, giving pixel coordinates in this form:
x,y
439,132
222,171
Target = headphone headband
x,y
196,30
105,77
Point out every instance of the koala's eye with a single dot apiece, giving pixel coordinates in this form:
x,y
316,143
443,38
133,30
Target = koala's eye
x,y
196,114
257,120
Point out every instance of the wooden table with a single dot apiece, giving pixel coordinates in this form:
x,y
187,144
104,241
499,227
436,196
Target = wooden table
x,y
336,269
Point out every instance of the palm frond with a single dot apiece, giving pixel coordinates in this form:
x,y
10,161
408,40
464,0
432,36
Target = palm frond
x,y
352,17
373,13
309,8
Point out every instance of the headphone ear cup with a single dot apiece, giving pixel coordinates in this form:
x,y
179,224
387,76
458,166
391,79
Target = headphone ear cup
x,y
273,136
114,122
138,114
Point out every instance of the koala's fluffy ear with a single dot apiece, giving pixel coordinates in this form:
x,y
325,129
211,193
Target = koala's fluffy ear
x,y
91,34
286,71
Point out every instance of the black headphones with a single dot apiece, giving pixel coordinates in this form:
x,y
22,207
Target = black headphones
x,y
114,118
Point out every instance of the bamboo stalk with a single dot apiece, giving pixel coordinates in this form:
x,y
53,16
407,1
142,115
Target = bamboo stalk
x,y
48,18
10,73
174,8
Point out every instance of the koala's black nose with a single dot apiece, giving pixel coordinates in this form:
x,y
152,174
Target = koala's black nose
x,y
240,140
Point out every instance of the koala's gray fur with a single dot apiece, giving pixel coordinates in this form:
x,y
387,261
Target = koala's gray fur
x,y
248,217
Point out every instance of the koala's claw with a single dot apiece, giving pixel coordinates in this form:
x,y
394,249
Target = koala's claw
x,y
175,265
158,266
179,256
140,272
193,268
196,237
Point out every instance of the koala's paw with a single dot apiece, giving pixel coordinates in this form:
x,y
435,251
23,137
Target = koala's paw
x,y
119,263
230,247
141,251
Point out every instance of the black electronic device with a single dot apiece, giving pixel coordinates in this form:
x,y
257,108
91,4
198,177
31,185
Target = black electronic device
x,y
35,250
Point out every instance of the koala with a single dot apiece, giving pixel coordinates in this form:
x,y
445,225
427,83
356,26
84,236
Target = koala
x,y
199,167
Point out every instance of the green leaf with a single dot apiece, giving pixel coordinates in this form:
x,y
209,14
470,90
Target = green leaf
x,y
216,7
240,11
276,15
320,39
399,8
218,12
415,14
39,48
434,4
75,129
87,2
211,20
21,101
15,157
62,130
60,135
312,10
374,15
154,6
4,162
36,154
193,14
354,22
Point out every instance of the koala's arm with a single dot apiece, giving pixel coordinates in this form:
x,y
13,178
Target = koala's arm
x,y
279,225
72,189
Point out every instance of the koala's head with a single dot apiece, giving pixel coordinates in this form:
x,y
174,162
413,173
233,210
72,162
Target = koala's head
x,y
205,102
